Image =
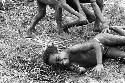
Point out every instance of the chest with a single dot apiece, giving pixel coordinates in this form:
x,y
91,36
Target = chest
x,y
84,58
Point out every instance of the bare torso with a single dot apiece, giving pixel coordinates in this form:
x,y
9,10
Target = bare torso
x,y
88,58
84,58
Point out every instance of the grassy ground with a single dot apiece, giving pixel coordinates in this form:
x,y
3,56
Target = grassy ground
x,y
21,58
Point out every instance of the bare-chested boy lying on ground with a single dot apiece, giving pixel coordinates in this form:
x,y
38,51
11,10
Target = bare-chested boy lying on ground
x,y
89,53
57,5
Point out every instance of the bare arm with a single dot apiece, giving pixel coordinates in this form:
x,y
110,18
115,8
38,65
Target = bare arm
x,y
86,46
98,50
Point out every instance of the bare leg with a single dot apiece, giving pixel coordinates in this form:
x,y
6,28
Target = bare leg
x,y
97,21
58,16
41,13
74,23
90,16
71,10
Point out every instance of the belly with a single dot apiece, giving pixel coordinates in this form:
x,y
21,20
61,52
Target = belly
x,y
88,60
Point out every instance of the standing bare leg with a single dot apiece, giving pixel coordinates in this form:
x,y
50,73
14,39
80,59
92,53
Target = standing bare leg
x,y
41,13
90,16
58,16
97,20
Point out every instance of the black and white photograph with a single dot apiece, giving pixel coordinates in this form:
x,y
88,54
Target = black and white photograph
x,y
62,41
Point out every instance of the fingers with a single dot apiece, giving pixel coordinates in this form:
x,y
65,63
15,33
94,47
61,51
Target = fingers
x,y
97,70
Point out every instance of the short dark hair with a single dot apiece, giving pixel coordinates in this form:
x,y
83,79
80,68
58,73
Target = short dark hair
x,y
49,51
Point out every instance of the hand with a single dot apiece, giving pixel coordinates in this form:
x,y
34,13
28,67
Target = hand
x,y
81,70
98,69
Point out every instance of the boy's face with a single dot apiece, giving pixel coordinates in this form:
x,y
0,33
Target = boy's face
x,y
56,59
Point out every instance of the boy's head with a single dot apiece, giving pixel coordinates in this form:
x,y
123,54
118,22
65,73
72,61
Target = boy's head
x,y
50,51
52,57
